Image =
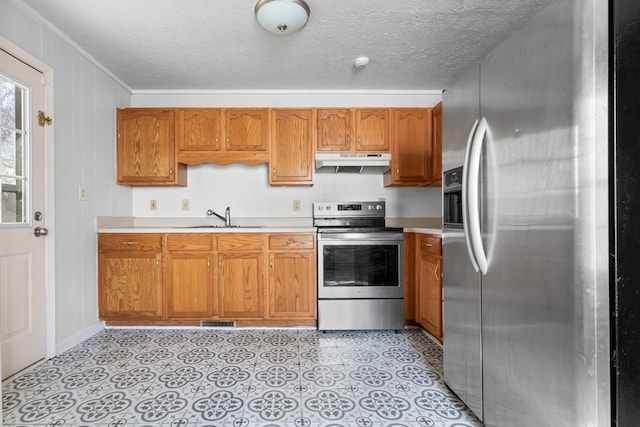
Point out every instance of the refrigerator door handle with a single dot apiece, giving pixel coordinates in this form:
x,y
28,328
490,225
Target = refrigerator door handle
x,y
473,202
465,196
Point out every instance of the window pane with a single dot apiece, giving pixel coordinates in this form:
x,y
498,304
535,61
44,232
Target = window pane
x,y
9,153
13,150
9,105
12,201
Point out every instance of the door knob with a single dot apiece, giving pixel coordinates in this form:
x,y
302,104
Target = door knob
x,y
40,231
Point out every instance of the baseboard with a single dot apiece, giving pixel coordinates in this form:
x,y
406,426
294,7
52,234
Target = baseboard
x,y
78,337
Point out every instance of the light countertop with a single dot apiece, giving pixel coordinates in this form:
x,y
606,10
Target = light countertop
x,y
243,225
417,225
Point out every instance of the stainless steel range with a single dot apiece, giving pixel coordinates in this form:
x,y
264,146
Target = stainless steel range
x,y
360,267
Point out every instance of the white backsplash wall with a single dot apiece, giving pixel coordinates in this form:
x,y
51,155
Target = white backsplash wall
x,y
246,190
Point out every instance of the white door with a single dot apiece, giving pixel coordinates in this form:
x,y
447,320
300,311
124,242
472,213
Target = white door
x,y
22,199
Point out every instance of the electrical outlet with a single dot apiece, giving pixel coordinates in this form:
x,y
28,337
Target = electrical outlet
x,y
153,205
185,204
82,193
296,205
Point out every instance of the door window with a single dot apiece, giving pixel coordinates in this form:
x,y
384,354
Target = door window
x,y
14,151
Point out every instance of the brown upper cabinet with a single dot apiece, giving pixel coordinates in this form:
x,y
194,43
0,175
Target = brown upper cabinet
x,y
411,147
146,148
155,144
372,129
292,141
223,136
334,130
416,147
353,129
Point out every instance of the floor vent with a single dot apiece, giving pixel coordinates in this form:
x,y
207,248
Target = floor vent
x,y
218,323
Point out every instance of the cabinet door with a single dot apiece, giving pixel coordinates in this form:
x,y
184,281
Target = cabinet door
x,y
292,291
334,130
146,150
240,284
247,129
436,147
189,285
291,158
200,129
372,129
411,160
429,284
129,285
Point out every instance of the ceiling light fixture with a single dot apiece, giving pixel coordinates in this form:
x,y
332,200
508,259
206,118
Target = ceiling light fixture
x,y
282,16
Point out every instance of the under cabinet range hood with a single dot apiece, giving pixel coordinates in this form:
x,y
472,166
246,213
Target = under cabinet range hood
x,y
363,163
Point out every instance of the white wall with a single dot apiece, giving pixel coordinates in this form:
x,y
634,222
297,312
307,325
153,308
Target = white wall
x,y
85,98
246,189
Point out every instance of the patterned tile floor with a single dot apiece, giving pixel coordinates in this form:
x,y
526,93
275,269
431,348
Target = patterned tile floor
x,y
238,378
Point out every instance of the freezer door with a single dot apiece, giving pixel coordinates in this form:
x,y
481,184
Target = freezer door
x,y
461,284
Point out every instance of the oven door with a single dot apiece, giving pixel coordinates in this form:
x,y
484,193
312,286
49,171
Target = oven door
x,y
360,265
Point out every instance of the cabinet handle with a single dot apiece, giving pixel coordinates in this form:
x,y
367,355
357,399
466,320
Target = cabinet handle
x,y
220,262
273,171
428,244
347,139
130,243
217,142
271,263
170,171
435,272
291,242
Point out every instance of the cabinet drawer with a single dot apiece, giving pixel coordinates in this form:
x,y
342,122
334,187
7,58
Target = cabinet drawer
x,y
292,241
239,241
129,242
430,243
189,242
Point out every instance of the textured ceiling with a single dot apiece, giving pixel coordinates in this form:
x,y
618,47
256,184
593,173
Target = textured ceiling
x,y
218,45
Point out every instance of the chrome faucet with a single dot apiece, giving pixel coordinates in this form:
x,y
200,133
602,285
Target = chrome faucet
x,y
226,218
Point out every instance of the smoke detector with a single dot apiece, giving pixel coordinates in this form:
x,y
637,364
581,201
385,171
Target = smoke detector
x,y
361,62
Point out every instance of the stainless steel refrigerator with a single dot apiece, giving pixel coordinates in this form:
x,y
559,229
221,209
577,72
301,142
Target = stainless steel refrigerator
x,y
525,249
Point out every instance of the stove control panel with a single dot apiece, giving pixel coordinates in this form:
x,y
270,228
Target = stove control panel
x,y
349,209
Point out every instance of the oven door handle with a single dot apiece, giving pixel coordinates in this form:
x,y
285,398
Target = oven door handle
x,y
361,237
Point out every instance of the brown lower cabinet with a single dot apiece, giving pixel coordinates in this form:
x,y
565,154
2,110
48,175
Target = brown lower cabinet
x,y
130,276
207,276
189,276
240,275
424,280
292,267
